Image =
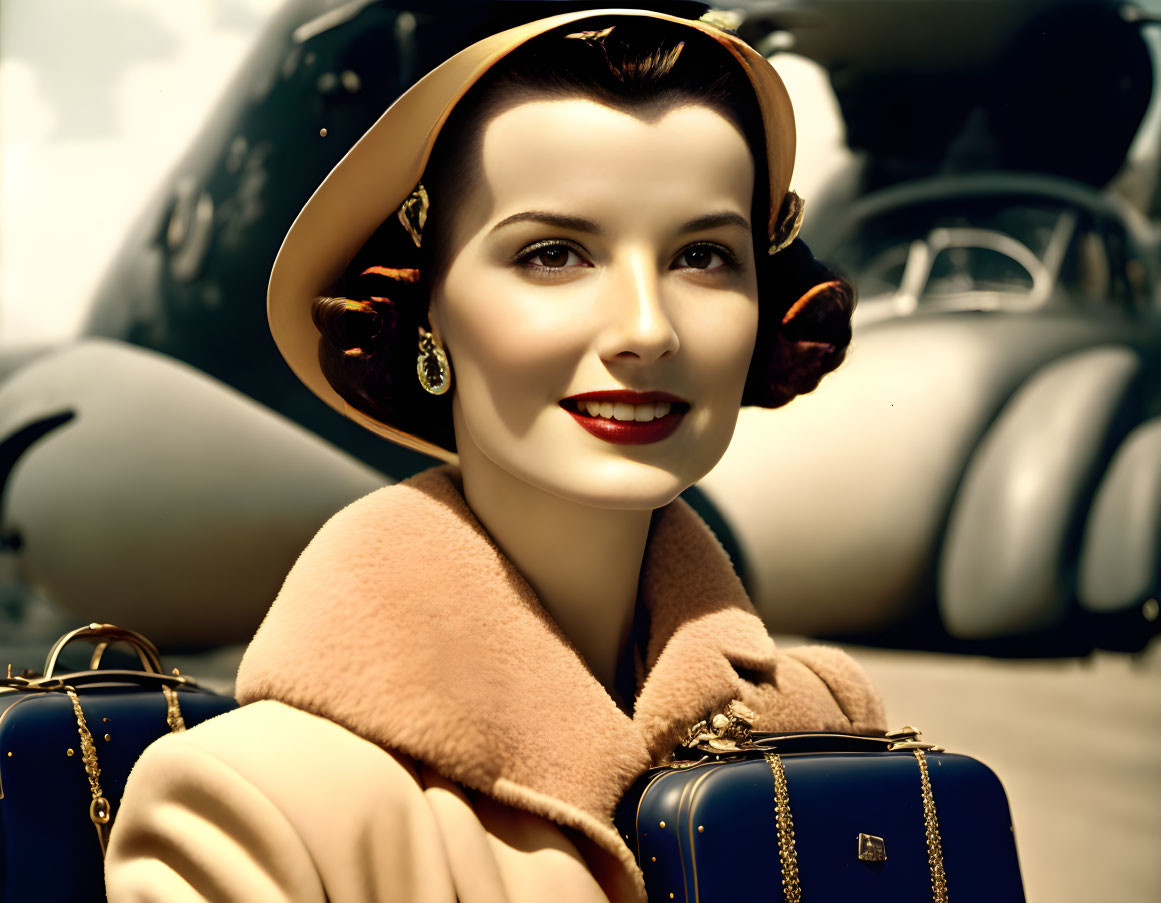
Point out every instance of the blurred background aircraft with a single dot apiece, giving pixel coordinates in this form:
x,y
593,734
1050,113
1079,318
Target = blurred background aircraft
x,y
983,474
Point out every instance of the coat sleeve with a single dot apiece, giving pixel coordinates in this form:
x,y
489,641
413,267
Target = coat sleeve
x,y
816,688
191,829
273,804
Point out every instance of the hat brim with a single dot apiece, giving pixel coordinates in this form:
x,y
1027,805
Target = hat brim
x,y
351,203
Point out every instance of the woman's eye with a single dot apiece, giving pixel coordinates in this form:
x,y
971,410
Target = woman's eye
x,y
551,256
704,257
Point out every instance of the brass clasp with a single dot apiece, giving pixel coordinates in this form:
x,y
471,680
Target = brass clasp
x,y
907,737
727,732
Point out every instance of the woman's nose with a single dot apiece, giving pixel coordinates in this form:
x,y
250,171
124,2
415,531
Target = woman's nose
x,y
640,328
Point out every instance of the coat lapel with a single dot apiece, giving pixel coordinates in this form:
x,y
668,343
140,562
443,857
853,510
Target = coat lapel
x,y
404,623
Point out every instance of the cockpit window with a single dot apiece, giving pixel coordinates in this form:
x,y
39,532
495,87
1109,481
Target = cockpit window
x,y
997,253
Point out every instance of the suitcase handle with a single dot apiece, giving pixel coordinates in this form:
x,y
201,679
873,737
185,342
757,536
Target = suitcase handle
x,y
759,744
702,743
808,742
103,635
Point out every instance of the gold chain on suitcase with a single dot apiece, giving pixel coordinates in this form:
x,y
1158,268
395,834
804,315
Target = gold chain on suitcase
x,y
791,888
934,844
100,812
172,710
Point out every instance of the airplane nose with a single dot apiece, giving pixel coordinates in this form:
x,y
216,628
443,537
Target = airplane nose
x,y
640,328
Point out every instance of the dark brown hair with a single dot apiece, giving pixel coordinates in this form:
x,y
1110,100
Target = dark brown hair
x,y
370,326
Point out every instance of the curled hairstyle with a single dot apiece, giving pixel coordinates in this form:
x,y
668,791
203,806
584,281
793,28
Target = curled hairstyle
x,y
369,325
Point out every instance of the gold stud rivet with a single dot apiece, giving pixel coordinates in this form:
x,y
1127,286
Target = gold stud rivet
x,y
654,858
322,133
9,755
105,719
1150,609
68,752
107,738
701,829
671,896
663,824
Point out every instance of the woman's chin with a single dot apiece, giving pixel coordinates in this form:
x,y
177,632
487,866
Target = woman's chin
x,y
586,471
621,485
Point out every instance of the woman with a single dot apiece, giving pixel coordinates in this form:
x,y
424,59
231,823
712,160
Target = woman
x,y
463,673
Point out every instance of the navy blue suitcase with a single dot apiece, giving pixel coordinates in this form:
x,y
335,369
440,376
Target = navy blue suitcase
x,y
58,789
849,818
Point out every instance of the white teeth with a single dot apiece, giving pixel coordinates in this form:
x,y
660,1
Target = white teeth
x,y
641,413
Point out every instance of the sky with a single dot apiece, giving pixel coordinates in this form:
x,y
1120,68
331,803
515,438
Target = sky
x,y
98,99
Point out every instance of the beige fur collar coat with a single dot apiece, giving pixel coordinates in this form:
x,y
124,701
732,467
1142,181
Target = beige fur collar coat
x,y
404,629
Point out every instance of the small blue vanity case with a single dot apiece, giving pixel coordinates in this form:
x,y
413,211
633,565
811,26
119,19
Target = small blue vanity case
x,y
820,818
67,744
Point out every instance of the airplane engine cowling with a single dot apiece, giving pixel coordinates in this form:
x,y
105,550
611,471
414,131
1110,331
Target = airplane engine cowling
x,y
169,503
1007,560
848,505
1120,563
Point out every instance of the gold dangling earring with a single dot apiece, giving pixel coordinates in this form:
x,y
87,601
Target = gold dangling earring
x,y
431,365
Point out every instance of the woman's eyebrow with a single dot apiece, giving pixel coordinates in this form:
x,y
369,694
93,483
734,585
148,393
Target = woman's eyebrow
x,y
560,220
580,224
714,220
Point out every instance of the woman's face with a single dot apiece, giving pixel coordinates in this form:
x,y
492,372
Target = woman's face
x,y
600,305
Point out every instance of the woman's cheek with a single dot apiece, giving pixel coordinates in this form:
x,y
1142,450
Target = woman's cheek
x,y
721,340
509,374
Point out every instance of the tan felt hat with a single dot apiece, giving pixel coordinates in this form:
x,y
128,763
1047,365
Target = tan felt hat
x,y
381,171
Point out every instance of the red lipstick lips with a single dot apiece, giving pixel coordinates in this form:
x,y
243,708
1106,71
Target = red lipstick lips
x,y
593,410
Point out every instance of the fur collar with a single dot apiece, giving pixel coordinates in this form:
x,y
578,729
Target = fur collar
x,y
404,623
